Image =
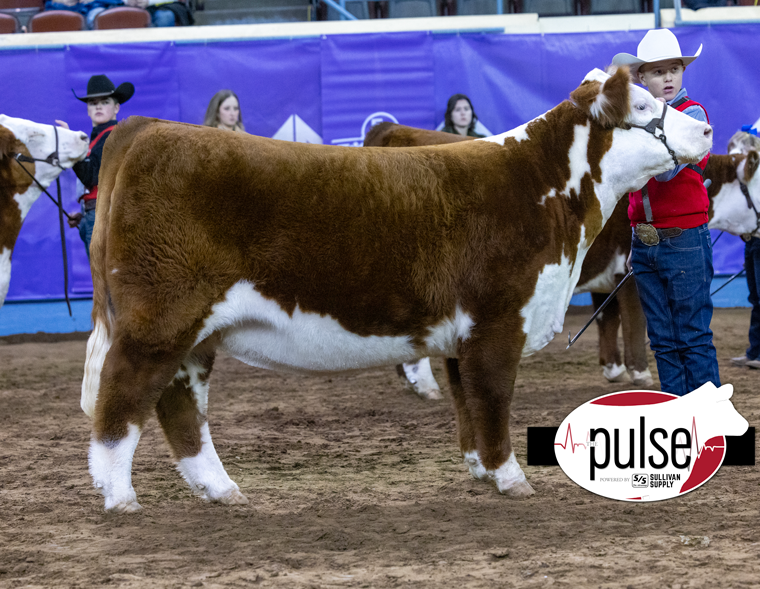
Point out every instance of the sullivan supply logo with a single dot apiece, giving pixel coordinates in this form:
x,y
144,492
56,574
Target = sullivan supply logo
x,y
647,445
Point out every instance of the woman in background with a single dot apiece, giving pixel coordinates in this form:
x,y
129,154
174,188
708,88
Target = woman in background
x,y
460,117
223,112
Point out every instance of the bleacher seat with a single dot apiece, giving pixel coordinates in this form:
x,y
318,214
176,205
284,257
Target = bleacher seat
x,y
123,17
615,6
53,21
411,8
468,7
23,10
549,7
356,7
8,24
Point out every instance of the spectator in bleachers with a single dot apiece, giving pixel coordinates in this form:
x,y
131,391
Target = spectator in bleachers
x,y
460,117
87,8
223,112
165,13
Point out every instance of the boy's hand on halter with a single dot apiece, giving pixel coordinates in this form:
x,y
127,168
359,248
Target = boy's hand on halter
x,y
62,124
74,220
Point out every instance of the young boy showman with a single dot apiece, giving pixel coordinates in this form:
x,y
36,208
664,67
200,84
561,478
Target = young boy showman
x,y
671,250
103,102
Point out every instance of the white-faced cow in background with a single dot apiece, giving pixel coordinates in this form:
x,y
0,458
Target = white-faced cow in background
x,y
735,198
17,189
327,259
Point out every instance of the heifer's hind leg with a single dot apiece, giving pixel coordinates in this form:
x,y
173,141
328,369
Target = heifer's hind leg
x,y
608,323
131,382
182,413
465,428
635,335
488,367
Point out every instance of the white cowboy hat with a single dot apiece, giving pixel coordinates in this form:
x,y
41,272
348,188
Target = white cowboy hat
x,y
657,45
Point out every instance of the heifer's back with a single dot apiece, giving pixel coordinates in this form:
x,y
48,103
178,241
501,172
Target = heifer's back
x,y
387,134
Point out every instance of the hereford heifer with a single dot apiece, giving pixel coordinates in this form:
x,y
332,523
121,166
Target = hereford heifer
x,y
603,269
17,189
327,259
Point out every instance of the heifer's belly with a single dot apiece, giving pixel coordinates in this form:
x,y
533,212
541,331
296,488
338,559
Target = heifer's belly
x,y
605,281
257,331
544,314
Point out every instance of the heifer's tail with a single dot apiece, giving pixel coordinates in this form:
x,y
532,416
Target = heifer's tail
x,y
100,340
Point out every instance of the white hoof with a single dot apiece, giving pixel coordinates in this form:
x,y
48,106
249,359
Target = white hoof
x,y
234,497
510,479
124,507
615,373
125,504
642,379
419,377
520,490
477,470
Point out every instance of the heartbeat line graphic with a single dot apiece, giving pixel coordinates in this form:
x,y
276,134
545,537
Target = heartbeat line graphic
x,y
569,434
695,445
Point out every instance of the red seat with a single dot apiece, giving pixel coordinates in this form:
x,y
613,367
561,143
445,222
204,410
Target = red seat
x,y
8,24
53,21
21,9
123,17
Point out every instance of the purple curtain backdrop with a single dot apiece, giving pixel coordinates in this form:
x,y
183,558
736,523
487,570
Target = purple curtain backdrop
x,y
331,89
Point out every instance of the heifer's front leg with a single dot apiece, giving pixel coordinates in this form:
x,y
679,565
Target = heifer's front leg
x,y
182,412
130,383
488,367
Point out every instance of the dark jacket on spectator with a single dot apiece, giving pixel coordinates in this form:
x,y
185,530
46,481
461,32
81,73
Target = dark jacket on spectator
x,y
88,169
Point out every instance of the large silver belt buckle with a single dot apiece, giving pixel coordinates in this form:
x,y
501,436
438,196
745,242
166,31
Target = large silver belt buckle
x,y
647,234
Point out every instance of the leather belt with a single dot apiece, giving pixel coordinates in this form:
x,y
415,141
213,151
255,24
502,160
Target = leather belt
x,y
89,205
650,235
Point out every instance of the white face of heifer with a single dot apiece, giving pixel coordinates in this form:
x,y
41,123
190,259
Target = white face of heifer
x,y
633,157
18,191
731,211
636,149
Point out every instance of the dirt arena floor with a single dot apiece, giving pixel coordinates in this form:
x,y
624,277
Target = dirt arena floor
x,y
353,482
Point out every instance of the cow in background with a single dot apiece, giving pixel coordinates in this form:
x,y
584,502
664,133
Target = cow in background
x,y
325,259
18,191
603,269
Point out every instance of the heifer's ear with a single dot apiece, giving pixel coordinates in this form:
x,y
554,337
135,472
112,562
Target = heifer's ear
x,y
7,141
608,104
750,168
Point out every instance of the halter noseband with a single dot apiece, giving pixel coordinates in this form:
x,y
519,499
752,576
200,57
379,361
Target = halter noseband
x,y
658,123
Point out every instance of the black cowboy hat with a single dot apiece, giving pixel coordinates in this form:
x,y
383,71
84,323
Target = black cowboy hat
x,y
101,87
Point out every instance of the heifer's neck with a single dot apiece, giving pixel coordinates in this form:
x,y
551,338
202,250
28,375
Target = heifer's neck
x,y
14,207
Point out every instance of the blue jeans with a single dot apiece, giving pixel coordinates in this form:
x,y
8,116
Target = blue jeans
x,y
752,267
85,229
673,279
163,18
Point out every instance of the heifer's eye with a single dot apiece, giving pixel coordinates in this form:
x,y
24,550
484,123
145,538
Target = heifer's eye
x,y
641,106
